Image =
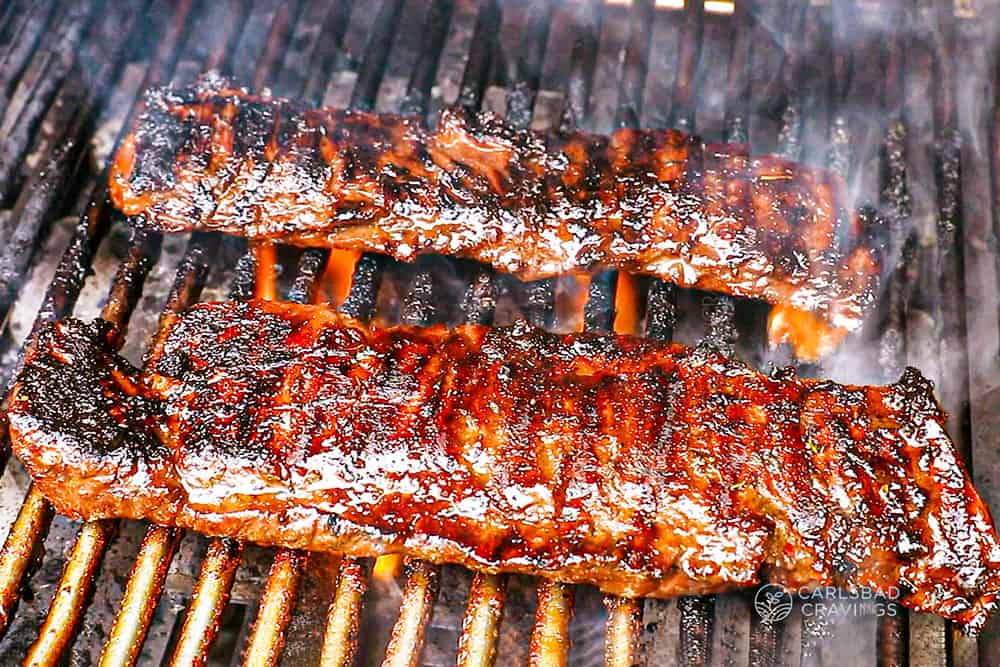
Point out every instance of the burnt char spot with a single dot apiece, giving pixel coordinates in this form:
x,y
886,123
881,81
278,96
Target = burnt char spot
x,y
254,126
74,386
218,414
159,139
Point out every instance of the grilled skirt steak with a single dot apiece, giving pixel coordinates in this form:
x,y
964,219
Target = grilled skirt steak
x,y
646,201
644,468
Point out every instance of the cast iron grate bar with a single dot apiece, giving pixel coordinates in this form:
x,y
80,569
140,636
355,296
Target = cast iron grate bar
x,y
477,642
326,51
419,307
480,60
892,640
23,28
599,308
27,96
623,624
376,56
536,298
766,635
696,612
343,619
81,96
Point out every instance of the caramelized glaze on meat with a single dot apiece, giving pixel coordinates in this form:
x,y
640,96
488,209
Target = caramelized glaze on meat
x,y
644,468
646,201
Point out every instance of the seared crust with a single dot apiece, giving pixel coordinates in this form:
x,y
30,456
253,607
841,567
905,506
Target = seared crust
x,y
644,468
656,202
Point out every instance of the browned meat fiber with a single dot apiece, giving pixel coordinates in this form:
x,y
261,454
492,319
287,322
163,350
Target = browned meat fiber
x,y
644,468
654,202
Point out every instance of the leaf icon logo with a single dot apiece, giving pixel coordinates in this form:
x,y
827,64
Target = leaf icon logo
x,y
773,603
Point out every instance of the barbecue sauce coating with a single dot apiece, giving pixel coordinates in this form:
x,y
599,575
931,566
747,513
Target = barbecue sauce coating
x,y
644,468
656,202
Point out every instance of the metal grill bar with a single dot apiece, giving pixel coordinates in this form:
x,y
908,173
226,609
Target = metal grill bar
x,y
537,297
624,615
22,31
68,605
340,641
696,613
419,307
598,310
223,556
418,90
80,97
731,622
26,104
146,580
158,548
583,62
622,631
550,634
145,583
20,548
477,644
789,135
327,49
266,638
892,641
766,635
477,67
419,594
276,44
218,569
376,56
949,266
343,618
211,595
268,635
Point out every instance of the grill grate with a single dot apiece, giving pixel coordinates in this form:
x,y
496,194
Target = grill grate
x,y
799,81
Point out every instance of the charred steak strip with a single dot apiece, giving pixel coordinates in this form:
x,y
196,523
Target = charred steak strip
x,y
646,201
644,468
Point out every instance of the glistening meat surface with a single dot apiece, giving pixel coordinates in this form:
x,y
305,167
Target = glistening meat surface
x,y
644,468
646,201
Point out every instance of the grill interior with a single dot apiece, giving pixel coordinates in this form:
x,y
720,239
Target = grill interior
x,y
897,96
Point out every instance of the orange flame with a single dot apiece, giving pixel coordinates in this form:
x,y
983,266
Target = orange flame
x,y
339,275
387,567
266,280
626,305
809,336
